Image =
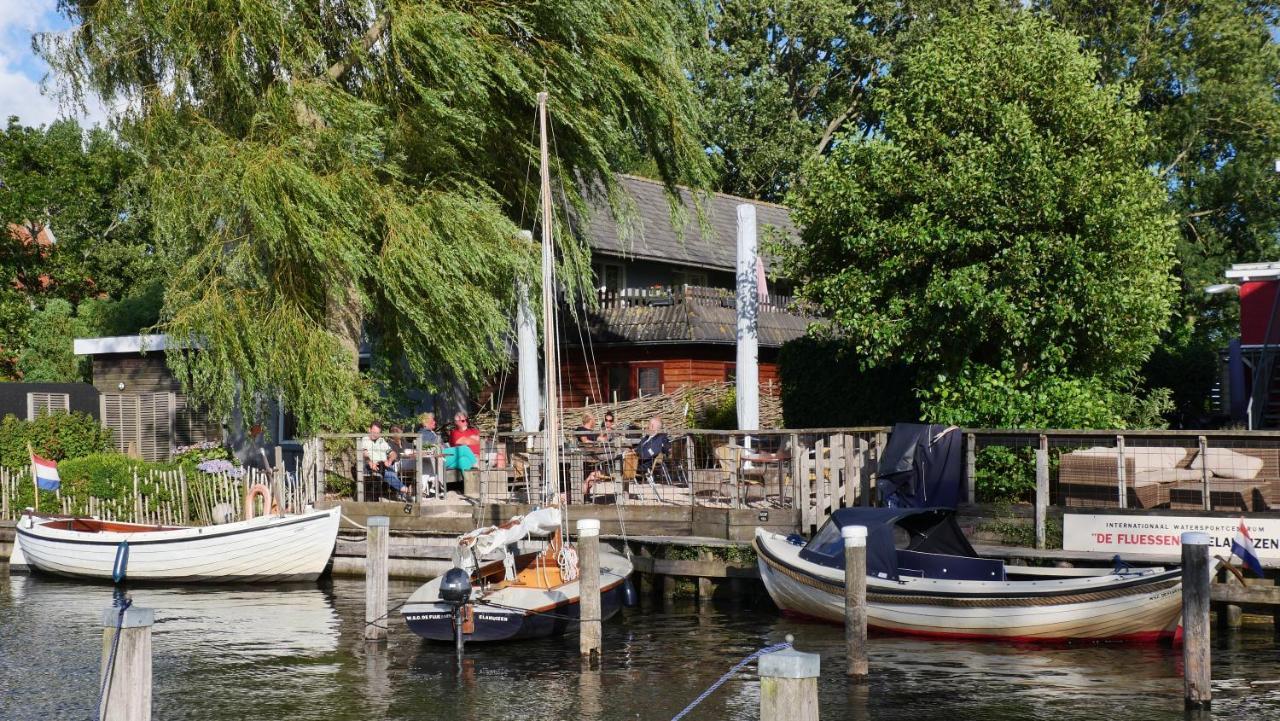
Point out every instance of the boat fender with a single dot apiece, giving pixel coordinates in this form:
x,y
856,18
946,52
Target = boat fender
x,y
121,566
567,559
258,489
629,598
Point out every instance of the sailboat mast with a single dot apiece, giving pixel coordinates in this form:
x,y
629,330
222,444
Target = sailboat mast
x,y
551,427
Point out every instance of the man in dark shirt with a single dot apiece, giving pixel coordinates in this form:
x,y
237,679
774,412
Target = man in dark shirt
x,y
654,443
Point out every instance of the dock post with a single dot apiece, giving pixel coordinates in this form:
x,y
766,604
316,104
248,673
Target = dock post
x,y
126,693
1042,489
789,686
375,578
589,588
855,600
1196,577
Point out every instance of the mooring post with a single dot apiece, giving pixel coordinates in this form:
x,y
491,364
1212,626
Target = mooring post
x,y
855,600
589,588
1196,575
789,686
376,551
125,676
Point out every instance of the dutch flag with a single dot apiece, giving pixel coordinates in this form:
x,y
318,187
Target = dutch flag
x,y
1242,546
46,473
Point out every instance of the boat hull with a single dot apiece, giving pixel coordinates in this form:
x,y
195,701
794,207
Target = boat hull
x,y
262,550
516,613
1137,608
435,622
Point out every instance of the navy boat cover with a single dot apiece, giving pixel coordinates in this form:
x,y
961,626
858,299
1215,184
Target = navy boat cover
x,y
922,467
930,544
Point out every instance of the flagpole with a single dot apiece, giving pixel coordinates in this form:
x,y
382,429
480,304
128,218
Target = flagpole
x,y
35,483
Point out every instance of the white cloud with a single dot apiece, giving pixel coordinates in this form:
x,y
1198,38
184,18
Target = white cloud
x,y
21,71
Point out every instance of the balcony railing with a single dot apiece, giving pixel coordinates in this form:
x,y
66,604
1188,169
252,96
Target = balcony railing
x,y
660,296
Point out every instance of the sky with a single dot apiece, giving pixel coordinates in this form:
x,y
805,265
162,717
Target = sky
x,y
21,72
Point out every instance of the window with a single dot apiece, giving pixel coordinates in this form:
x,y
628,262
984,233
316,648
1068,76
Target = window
x,y
648,380
730,372
619,379
689,277
610,276
38,403
287,427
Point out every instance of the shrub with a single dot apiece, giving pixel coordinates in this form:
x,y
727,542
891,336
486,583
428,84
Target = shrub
x,y
56,436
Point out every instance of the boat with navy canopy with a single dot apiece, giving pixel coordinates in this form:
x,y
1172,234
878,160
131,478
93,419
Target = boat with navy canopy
x,y
925,579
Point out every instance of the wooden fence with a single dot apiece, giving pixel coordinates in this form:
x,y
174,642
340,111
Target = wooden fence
x,y
165,497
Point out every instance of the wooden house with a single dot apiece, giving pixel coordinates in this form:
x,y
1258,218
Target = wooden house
x,y
665,315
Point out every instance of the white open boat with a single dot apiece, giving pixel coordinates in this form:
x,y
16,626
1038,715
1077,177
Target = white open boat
x,y
516,596
269,548
925,579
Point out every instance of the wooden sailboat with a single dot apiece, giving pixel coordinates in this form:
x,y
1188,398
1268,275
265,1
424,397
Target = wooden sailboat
x,y
269,548
924,579
514,596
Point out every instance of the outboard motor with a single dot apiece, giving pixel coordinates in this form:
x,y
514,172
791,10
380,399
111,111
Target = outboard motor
x,y
455,587
455,590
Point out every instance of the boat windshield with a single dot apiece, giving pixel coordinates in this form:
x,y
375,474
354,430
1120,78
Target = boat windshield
x,y
827,540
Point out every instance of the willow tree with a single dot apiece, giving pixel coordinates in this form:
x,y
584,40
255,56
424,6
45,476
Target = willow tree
x,y
328,173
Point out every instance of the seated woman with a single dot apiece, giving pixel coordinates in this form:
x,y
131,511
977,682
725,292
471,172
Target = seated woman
x,y
463,452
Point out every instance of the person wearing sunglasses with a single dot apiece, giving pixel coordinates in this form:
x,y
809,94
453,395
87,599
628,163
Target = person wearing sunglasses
x,y
463,434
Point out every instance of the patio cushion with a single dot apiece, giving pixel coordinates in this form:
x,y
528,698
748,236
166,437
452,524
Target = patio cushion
x,y
1164,475
1144,458
1226,463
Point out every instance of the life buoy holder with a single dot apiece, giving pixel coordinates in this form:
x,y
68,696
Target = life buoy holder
x,y
268,505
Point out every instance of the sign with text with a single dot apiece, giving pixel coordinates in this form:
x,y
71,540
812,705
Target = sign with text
x,y
1162,535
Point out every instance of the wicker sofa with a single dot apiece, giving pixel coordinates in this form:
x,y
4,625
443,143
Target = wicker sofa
x,y
1087,478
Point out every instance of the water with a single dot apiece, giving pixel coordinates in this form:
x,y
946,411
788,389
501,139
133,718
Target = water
x,y
296,653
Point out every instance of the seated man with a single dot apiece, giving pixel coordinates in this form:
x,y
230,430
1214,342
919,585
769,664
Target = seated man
x,y
379,458
586,434
655,443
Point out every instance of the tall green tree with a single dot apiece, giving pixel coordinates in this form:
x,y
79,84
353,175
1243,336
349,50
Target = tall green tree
x,y
782,78
331,172
1206,80
74,188
998,229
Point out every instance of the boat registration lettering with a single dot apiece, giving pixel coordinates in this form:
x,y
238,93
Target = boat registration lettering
x,y
491,617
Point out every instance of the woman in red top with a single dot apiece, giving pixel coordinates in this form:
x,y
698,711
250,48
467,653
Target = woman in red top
x,y
464,435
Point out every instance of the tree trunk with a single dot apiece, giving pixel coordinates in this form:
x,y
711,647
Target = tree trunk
x,y
345,320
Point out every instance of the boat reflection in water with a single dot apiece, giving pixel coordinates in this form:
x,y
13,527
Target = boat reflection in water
x,y
252,622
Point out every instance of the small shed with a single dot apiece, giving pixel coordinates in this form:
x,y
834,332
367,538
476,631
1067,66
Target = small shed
x,y
27,400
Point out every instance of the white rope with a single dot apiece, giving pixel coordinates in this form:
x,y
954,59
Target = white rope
x,y
347,518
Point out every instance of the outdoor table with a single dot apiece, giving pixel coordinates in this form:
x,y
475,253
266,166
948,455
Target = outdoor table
x,y
765,459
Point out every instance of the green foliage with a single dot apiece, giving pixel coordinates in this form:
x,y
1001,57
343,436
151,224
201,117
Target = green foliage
x,y
190,456
79,187
364,179
1001,397
49,356
1015,531
56,436
136,311
998,233
1185,361
826,385
1004,475
15,314
720,415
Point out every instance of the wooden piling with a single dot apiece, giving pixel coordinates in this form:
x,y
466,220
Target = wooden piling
x,y
126,692
855,600
1196,577
789,686
589,636
377,552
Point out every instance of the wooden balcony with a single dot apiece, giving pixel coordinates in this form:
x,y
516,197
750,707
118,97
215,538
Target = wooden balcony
x,y
688,314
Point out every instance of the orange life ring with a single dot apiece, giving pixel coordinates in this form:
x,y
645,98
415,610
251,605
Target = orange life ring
x,y
257,489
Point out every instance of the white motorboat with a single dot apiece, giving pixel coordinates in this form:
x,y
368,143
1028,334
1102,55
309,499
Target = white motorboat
x,y
269,548
925,579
